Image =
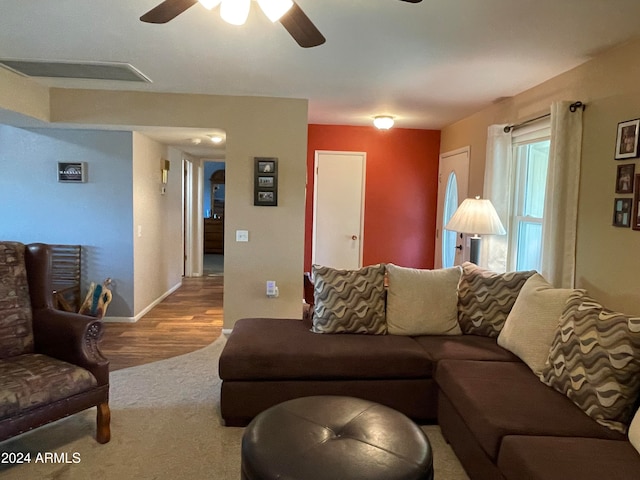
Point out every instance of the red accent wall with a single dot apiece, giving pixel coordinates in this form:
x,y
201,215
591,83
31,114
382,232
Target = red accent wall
x,y
400,192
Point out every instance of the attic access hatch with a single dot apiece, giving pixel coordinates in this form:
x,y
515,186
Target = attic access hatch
x,y
83,70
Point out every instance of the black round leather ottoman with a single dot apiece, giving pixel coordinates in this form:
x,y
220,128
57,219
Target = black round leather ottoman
x,y
334,438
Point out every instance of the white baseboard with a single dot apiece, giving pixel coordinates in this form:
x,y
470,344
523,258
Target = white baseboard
x,y
144,311
119,319
227,331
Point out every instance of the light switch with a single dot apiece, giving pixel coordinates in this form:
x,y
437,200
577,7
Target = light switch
x,y
242,235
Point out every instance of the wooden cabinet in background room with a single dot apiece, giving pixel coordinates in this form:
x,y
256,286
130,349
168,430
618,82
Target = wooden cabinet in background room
x,y
214,235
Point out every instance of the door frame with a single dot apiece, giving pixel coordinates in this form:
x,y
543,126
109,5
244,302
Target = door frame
x,y
192,217
440,205
317,154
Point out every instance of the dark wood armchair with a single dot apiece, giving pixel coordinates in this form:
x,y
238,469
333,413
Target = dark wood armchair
x,y
50,363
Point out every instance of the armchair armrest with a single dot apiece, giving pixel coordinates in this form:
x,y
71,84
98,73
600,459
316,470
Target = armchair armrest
x,y
71,337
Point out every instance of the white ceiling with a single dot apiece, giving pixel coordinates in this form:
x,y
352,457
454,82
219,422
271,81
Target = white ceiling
x,y
427,64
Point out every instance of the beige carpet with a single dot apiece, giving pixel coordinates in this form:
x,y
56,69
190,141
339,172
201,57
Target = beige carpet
x,y
165,424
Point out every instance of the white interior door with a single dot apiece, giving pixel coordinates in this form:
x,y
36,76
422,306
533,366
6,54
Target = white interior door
x,y
453,183
338,209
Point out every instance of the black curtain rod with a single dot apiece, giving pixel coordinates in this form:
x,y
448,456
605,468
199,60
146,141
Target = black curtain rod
x,y
572,108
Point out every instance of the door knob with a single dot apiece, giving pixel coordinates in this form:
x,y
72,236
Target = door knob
x,y
354,237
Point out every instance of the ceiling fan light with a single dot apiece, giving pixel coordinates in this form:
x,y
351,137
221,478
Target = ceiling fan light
x,y
275,9
235,12
209,4
383,122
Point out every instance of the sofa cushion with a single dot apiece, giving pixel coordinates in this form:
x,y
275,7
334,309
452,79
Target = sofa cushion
x,y
464,347
595,361
485,298
496,399
422,302
562,458
281,349
32,380
16,334
349,301
533,321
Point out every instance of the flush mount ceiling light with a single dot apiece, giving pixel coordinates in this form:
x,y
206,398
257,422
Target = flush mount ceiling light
x,y
383,122
217,139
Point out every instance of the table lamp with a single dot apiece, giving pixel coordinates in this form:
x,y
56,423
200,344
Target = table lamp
x,y
476,216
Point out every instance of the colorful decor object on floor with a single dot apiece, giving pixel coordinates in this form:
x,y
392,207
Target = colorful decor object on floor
x,y
97,300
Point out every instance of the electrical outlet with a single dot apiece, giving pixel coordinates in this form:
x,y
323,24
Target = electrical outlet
x,y
272,289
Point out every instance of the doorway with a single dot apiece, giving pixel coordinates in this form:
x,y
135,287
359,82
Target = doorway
x,y
214,215
338,214
453,184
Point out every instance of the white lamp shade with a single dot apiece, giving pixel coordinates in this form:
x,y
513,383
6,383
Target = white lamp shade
x,y
274,9
235,12
209,4
476,216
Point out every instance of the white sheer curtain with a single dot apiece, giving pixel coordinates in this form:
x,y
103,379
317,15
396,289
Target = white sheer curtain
x,y
561,198
498,188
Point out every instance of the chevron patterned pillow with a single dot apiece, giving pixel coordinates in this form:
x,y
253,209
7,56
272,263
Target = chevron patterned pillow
x,y
349,301
595,361
485,298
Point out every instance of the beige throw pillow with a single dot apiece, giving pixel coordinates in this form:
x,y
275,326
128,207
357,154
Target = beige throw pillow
x,y
423,302
531,325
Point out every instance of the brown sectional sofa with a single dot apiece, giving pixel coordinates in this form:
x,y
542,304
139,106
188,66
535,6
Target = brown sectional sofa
x,y
502,422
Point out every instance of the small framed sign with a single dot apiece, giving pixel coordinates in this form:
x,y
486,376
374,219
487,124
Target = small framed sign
x,y
72,172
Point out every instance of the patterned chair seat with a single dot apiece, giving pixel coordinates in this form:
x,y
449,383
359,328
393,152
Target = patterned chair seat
x,y
33,380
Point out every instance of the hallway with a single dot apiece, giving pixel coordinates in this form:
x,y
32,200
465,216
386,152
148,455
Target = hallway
x,y
187,320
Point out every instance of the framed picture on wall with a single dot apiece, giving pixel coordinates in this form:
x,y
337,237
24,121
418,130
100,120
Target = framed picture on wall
x,y
624,178
635,223
622,212
266,165
265,182
72,172
627,139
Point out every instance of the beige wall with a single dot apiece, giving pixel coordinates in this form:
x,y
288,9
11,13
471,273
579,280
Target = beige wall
x,y
607,259
255,126
23,96
157,249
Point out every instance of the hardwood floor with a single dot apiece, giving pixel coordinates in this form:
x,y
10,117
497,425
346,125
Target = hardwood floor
x,y
187,320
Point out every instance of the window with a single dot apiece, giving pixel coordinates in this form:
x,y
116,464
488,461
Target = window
x,y
531,161
448,237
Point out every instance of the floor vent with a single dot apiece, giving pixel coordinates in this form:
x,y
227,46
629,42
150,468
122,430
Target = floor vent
x,y
92,70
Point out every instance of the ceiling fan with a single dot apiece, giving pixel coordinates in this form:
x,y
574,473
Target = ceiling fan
x,y
287,12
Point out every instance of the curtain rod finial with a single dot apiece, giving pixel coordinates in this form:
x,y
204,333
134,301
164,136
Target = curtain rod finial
x,y
575,106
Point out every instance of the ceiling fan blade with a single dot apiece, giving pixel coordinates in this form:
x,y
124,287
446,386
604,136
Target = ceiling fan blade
x,y
301,28
411,1
167,10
